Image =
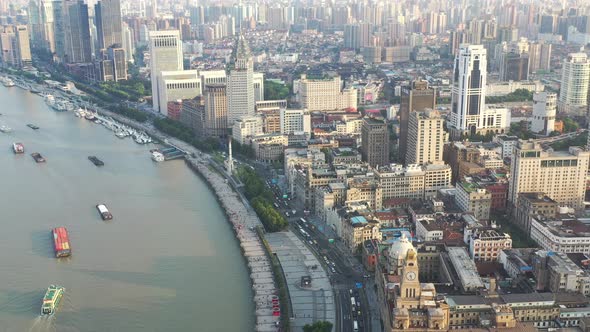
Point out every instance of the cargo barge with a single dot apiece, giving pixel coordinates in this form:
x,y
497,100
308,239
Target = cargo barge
x,y
51,299
104,212
38,157
61,242
96,161
32,126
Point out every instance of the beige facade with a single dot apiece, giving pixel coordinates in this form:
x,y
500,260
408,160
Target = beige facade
x,y
561,175
215,110
426,137
472,198
325,94
486,245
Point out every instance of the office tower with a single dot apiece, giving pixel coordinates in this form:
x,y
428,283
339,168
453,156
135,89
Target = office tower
x,y
8,45
216,109
456,38
468,91
352,36
107,16
77,32
375,142
165,55
547,24
426,137
151,9
59,38
575,78
544,111
197,15
240,87
539,57
559,175
514,66
258,81
14,46
295,121
416,97
128,42
177,85
507,34
117,55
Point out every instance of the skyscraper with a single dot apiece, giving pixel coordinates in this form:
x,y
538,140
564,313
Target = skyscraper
x,y
375,142
165,55
426,137
107,16
514,67
575,77
240,88
77,32
469,86
415,97
216,110
24,58
14,46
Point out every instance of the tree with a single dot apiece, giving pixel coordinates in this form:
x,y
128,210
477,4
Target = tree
x,y
275,91
319,326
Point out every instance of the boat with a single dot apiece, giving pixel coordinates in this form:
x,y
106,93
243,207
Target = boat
x,y
32,126
34,90
38,157
121,134
158,156
61,242
5,129
104,212
96,161
51,299
8,82
89,116
49,99
18,148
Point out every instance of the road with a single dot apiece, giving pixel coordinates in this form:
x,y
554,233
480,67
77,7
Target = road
x,y
345,272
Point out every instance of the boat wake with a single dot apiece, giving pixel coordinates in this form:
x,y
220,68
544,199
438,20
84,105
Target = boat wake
x,y
43,324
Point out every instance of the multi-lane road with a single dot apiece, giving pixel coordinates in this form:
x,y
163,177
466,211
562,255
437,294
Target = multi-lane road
x,y
348,278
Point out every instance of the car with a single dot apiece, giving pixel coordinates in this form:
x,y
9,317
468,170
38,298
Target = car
x,y
332,269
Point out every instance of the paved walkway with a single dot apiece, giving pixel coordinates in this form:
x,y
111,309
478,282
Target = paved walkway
x,y
308,304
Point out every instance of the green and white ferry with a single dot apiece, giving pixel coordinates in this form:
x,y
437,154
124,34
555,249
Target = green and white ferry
x,y
51,299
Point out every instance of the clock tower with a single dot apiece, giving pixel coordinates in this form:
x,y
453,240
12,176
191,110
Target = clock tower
x,y
409,284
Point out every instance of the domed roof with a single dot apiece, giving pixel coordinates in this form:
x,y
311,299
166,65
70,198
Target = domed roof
x,y
399,249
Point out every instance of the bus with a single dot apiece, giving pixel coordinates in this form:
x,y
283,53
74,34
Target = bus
x,y
355,326
303,221
276,205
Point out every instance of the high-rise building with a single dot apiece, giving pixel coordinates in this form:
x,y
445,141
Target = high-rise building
x,y
240,87
24,58
117,55
575,77
165,55
539,57
295,121
107,16
514,67
375,142
128,42
216,110
14,46
469,86
426,137
560,175
325,94
544,111
175,85
77,32
416,97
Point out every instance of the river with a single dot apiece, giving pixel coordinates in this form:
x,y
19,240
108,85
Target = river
x,y
168,261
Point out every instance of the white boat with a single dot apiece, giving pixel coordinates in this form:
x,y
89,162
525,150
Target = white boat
x,y
5,129
157,156
121,134
8,82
